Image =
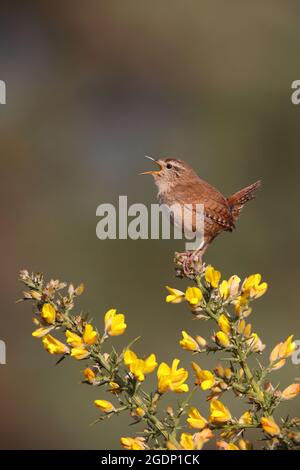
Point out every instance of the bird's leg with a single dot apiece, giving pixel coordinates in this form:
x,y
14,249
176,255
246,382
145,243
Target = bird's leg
x,y
188,261
199,252
194,259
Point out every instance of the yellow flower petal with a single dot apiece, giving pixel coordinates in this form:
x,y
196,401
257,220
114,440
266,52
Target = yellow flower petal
x,y
222,339
224,324
224,290
171,378
188,342
195,419
54,346
73,339
193,296
246,418
89,375
48,313
104,405
114,323
186,441
150,364
219,413
129,357
139,367
205,378
212,276
89,335
175,296
79,353
269,426
130,443
40,332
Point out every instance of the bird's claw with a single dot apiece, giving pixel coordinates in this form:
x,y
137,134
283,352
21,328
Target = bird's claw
x,y
189,262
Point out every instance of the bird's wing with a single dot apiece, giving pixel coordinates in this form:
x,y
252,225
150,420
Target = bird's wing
x,y
216,207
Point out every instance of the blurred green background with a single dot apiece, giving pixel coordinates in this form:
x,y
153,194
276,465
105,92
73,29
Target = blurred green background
x,y
93,86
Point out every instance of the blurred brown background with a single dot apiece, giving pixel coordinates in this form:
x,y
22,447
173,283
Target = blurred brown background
x,y
93,86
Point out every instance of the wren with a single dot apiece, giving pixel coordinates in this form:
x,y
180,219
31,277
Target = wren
x,y
178,183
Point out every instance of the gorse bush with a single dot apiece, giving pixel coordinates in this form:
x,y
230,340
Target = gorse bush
x,y
227,304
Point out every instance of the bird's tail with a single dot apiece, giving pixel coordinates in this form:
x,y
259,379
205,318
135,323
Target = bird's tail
x,y
239,199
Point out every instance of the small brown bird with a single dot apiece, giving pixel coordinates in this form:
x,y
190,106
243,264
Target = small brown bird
x,y
178,183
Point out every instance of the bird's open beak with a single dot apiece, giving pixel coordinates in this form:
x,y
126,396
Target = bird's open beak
x,y
157,172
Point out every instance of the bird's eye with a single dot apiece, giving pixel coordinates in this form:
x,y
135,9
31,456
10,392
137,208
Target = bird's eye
x,y
169,166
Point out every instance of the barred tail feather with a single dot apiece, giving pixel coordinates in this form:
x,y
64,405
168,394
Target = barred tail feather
x,y
238,200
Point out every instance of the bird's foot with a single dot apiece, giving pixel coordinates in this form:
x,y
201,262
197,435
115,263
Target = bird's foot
x,y
189,263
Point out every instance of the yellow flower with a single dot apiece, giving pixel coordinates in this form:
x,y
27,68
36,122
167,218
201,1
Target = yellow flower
x,y
224,290
175,296
206,379
193,295
114,323
244,445
171,378
219,413
140,412
54,346
241,326
247,330
139,367
222,339
228,373
281,352
130,443
291,391
269,426
89,375
232,446
246,418
171,446
252,286
104,405
48,313
224,324
78,350
195,441
186,441
114,388
79,353
288,347
73,339
195,419
188,343
40,332
89,335
79,344
212,276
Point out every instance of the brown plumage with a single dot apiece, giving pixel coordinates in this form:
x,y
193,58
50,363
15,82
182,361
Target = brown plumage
x,y
178,184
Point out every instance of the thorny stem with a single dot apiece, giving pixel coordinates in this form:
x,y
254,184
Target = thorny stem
x,y
136,397
255,387
239,355
137,400
183,405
